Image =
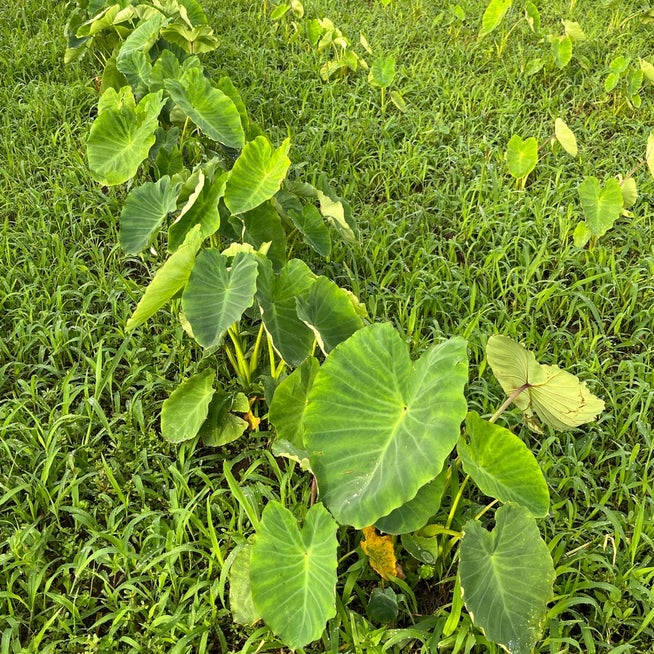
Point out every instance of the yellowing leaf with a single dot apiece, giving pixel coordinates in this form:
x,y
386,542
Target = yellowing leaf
x,y
649,153
565,136
558,398
380,553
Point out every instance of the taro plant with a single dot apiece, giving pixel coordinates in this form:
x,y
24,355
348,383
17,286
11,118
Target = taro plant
x,y
381,435
219,190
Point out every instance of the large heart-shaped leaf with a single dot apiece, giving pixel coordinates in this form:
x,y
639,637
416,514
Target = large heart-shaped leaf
x,y
378,426
602,206
208,107
506,578
521,156
257,174
263,225
141,39
183,413
293,572
122,134
168,280
559,398
215,296
328,310
276,295
290,401
222,426
145,209
503,466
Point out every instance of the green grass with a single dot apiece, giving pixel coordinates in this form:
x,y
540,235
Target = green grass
x,y
112,540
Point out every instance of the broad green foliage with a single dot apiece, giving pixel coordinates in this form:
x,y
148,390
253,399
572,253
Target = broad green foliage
x,y
256,175
216,296
293,572
512,565
558,398
122,135
222,425
168,281
187,407
502,465
368,463
146,207
208,107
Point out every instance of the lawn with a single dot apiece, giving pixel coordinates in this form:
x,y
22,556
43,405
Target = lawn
x,y
113,539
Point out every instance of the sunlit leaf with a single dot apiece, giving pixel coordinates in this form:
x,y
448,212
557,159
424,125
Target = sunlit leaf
x,y
502,466
240,590
562,50
169,279
602,206
382,72
565,136
122,134
208,107
558,397
649,153
183,413
495,12
257,174
521,156
629,192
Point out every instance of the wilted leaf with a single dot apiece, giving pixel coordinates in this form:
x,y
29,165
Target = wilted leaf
x,y
380,553
558,397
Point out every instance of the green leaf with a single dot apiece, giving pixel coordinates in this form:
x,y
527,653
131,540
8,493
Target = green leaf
x,y
200,209
398,100
222,427
611,81
141,39
574,30
620,64
313,229
263,225
136,68
602,206
648,70
215,297
565,136
276,294
507,577
378,426
145,209
581,235
209,108
166,67
503,466
649,153
168,281
629,192
328,311
521,156
382,72
122,134
382,605
183,413
495,12
293,573
240,590
290,401
562,50
533,17
257,174
559,398
194,40
416,512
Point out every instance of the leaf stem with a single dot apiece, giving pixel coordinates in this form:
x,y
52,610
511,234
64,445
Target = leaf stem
x,y
508,401
455,504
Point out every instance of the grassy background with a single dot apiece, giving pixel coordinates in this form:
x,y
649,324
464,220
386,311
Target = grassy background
x,y
111,540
